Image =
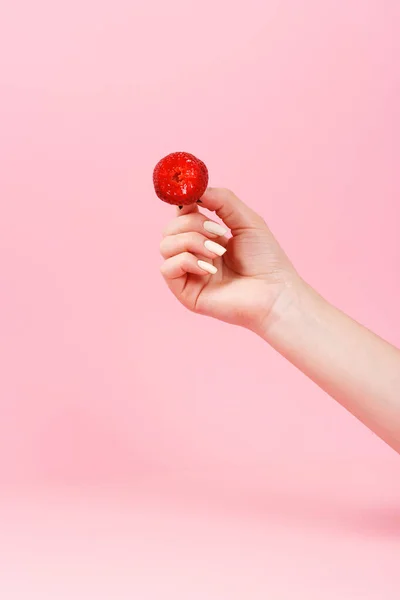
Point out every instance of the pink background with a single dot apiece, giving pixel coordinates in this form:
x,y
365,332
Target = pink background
x,y
146,452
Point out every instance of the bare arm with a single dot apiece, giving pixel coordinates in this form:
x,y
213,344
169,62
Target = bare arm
x,y
353,365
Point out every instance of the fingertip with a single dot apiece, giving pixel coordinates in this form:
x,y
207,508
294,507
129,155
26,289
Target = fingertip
x,y
206,193
208,199
216,193
207,267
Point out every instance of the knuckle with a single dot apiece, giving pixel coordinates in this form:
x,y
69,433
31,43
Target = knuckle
x,y
185,223
185,258
174,226
190,222
228,193
192,238
168,228
164,244
261,221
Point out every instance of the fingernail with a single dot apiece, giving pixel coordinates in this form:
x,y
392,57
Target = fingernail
x,y
214,228
215,248
207,267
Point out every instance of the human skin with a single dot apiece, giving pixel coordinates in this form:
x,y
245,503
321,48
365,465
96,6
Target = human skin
x,y
246,279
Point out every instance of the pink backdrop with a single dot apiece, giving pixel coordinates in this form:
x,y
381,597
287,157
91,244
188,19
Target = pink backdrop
x,y
106,383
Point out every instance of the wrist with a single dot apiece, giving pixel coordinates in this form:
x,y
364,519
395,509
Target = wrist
x,y
295,305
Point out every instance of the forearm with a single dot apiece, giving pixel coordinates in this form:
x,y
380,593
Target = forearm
x,y
349,362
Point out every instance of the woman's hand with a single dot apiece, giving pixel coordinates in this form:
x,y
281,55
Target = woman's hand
x,y
236,279
253,284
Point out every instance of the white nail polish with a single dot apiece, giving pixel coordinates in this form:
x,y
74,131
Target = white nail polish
x,y
207,267
215,248
214,228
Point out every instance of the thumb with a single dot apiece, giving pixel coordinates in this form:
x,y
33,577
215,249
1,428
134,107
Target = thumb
x,y
230,209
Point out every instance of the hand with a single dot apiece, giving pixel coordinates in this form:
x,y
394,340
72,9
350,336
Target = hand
x,y
238,279
248,280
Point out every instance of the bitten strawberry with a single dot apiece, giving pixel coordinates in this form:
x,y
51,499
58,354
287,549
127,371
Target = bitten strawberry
x,y
180,178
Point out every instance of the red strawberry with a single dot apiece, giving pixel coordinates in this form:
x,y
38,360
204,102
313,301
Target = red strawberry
x,y
180,178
